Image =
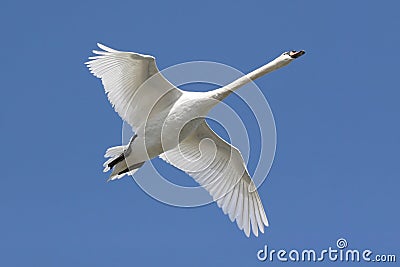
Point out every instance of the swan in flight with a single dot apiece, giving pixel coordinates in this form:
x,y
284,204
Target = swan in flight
x,y
169,123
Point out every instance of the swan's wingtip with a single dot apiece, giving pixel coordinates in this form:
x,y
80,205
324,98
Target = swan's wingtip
x,y
106,48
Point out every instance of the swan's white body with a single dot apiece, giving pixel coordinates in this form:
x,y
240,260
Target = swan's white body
x,y
169,123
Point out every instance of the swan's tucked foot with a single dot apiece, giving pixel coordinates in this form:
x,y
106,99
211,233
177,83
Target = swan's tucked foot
x,y
118,173
115,160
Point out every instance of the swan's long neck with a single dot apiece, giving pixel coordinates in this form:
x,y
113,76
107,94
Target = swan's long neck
x,y
225,91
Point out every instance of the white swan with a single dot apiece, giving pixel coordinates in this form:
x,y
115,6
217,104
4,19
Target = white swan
x,y
169,123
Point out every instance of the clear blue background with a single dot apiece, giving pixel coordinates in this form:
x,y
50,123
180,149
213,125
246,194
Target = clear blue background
x,y
336,170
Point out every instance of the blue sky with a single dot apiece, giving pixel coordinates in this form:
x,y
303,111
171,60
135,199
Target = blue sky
x,y
335,174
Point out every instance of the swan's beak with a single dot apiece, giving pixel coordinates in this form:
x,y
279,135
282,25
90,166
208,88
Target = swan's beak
x,y
296,54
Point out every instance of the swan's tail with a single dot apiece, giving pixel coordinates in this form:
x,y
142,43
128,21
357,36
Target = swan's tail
x,y
118,163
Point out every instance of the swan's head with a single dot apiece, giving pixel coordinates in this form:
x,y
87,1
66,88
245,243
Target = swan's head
x,y
290,55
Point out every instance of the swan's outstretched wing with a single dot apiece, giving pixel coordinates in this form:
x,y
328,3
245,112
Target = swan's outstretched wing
x,y
220,169
133,84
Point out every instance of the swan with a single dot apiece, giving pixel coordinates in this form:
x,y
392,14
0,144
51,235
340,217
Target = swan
x,y
169,123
